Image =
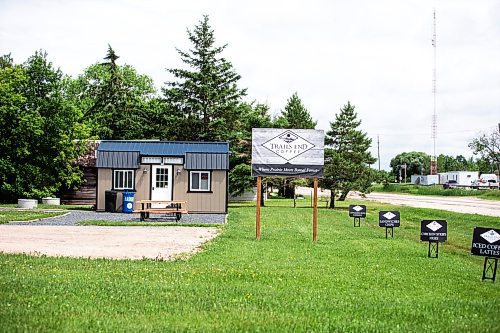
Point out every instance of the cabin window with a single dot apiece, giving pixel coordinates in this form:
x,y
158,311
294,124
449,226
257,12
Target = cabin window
x,y
199,181
123,180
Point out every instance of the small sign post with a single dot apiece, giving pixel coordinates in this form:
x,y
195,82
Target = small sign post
x,y
357,212
434,232
486,243
389,220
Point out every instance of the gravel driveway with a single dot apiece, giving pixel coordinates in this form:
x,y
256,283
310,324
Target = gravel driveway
x,y
103,242
74,216
61,236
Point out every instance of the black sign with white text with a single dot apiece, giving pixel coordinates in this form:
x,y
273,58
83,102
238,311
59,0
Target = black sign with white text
x,y
433,230
486,242
389,219
357,210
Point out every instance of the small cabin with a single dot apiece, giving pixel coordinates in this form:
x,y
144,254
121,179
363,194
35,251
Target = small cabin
x,y
196,172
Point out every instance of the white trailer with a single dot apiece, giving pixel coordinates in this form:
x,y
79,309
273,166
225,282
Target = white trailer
x,y
425,179
463,178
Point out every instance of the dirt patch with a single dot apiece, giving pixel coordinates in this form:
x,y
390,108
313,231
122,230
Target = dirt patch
x,y
104,242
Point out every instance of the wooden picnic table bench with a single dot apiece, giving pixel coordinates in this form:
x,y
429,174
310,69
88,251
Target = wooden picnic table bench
x,y
170,207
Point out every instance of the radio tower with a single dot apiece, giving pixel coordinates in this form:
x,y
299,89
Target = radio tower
x,y
434,92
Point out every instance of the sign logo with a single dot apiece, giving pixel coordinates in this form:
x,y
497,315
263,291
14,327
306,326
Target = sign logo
x,y
491,236
357,208
434,226
389,215
288,145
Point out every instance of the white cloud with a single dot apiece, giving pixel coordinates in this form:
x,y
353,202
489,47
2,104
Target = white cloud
x,y
377,54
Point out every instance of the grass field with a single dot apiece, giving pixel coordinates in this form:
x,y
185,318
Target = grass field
x,y
24,215
351,280
491,194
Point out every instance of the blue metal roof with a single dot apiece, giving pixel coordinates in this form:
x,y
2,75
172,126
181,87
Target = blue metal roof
x,y
165,148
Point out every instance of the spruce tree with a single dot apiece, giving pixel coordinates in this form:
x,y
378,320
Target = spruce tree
x,y
347,159
295,115
205,97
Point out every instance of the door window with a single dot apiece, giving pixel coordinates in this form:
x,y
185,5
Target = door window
x,y
161,177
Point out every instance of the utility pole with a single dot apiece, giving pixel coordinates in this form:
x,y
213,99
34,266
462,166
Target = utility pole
x,y
434,92
378,149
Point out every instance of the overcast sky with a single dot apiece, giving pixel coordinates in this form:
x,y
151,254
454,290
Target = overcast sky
x,y
376,54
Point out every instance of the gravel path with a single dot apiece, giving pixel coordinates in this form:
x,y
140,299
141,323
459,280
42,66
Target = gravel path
x,y
75,216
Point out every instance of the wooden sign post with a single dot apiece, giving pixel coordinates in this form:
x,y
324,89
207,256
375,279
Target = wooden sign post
x,y
280,152
315,210
257,212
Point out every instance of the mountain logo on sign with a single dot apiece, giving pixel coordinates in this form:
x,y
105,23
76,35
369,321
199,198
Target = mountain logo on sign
x,y
434,226
491,236
357,208
389,215
288,145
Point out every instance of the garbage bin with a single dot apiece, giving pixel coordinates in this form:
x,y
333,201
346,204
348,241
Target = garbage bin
x,y
110,201
128,202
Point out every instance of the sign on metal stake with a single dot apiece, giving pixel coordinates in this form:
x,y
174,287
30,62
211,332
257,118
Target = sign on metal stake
x,y
357,212
486,243
389,220
434,232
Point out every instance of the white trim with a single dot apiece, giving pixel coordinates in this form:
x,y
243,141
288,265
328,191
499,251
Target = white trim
x,y
127,174
209,183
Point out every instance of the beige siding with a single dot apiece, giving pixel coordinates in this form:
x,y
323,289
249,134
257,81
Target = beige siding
x,y
214,202
142,183
105,177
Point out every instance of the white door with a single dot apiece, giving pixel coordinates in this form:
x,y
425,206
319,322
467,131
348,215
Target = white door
x,y
161,188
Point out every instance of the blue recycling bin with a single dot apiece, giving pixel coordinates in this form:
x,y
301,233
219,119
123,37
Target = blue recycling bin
x,y
128,202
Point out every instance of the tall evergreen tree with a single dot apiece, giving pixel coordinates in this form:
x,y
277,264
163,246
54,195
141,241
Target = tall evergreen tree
x,y
205,97
295,115
117,101
347,159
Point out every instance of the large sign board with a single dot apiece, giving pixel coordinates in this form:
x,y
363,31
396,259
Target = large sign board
x,y
357,210
389,219
486,242
287,152
433,230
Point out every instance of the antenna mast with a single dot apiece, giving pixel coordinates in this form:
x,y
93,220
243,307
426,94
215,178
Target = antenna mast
x,y
434,92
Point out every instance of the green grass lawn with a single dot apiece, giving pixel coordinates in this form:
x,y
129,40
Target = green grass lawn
x,y
24,215
351,280
491,194
43,206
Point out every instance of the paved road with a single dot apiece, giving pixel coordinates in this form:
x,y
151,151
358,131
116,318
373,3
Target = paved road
x,y
454,204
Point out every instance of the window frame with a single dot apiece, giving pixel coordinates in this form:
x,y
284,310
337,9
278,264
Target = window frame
x,y
124,171
199,172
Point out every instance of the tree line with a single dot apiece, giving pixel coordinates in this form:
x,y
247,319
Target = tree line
x,y
48,119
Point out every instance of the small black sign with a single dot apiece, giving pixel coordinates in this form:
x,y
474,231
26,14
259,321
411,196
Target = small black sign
x,y
486,242
388,219
433,230
357,210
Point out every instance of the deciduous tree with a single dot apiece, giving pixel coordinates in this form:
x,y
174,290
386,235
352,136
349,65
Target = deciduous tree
x,y
37,132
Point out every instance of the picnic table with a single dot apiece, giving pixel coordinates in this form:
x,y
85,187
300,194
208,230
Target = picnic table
x,y
169,207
